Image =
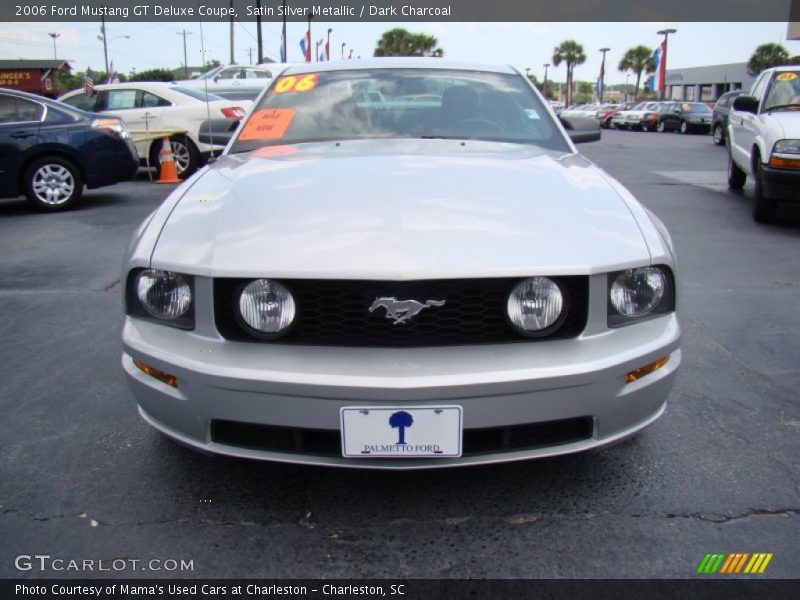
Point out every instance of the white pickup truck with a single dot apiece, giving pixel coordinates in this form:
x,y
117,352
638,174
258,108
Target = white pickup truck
x,y
764,140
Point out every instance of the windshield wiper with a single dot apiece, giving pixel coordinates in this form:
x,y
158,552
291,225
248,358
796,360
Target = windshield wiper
x,y
784,107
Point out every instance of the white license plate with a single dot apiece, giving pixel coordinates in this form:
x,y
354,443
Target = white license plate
x,y
401,432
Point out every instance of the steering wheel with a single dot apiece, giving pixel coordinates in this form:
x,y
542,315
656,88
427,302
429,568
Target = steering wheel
x,y
477,123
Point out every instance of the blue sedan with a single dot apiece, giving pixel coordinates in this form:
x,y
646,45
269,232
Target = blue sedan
x,y
49,151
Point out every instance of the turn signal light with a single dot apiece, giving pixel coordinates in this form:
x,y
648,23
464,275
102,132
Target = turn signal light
x,y
646,370
784,163
153,372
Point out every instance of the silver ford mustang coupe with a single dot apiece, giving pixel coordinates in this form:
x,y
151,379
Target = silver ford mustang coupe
x,y
400,264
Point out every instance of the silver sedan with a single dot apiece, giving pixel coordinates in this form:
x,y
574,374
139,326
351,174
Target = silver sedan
x,y
401,263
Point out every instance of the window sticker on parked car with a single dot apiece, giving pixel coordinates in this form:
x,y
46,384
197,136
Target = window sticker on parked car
x,y
267,124
294,83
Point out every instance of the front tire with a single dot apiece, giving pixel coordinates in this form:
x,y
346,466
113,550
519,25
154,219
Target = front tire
x,y
52,183
719,135
764,209
185,153
661,127
684,127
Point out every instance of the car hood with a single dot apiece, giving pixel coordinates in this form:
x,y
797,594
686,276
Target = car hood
x,y
414,209
784,123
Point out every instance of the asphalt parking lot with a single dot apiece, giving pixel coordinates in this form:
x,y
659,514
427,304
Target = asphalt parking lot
x,y
81,476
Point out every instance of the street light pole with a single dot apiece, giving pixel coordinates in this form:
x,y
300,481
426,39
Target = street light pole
x,y
328,45
103,37
343,45
544,85
54,36
603,74
627,76
663,66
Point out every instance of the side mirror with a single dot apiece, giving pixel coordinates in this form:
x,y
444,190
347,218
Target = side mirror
x,y
745,104
581,129
216,78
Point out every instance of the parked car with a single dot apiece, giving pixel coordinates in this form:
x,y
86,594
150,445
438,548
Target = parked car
x,y
686,117
719,120
605,112
154,105
632,118
650,115
401,288
764,140
236,82
49,151
586,111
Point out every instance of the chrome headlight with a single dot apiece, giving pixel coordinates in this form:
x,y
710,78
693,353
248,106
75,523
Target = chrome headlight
x,y
165,295
266,307
786,147
638,293
536,306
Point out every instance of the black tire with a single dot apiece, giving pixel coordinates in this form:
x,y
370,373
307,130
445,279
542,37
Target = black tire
x,y
52,183
186,154
608,123
645,128
764,209
719,134
736,177
684,127
661,127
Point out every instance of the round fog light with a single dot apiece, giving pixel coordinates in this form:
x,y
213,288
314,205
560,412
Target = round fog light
x,y
266,306
536,305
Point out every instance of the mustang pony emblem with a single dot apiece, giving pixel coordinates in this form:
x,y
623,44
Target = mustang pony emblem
x,y
402,310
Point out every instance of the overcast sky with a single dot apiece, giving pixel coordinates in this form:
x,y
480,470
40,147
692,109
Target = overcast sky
x,y
521,44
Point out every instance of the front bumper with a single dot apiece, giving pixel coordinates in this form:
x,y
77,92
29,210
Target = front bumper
x,y
497,386
781,184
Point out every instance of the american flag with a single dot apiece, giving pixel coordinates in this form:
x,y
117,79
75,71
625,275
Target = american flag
x,y
88,85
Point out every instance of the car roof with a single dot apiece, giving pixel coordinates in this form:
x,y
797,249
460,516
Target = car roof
x,y
784,68
34,97
398,63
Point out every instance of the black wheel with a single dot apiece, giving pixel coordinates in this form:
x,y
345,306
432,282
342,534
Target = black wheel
x,y
187,157
645,127
764,209
661,127
736,177
52,183
608,123
719,134
684,127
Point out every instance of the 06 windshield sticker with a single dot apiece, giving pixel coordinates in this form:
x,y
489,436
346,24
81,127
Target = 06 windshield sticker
x,y
787,77
267,124
296,83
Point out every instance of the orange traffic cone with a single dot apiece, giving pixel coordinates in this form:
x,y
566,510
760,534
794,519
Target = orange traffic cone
x,y
168,173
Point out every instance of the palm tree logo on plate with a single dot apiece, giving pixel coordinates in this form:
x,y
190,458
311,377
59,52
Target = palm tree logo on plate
x,y
400,420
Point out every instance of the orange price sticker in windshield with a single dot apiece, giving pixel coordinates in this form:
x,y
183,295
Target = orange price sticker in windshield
x,y
296,83
787,77
267,124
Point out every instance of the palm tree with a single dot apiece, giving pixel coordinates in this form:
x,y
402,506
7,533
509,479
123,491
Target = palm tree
x,y
400,42
400,420
638,60
571,53
766,56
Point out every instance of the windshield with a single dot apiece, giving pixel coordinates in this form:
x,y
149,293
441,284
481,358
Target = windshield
x,y
399,103
696,108
196,94
784,91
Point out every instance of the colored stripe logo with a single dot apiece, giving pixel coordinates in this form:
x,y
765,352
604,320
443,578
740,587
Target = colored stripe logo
x,y
735,562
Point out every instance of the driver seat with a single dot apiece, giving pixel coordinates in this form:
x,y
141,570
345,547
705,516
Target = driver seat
x,y
459,102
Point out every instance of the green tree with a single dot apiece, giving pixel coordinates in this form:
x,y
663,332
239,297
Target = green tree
x,y
154,75
766,56
400,42
638,60
570,53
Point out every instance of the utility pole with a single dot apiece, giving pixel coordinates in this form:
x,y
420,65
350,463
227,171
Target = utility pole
x,y
259,41
105,44
343,45
54,36
233,60
603,74
250,54
283,35
663,66
184,33
328,45
544,85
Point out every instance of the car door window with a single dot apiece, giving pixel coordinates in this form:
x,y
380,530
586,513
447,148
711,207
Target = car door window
x,y
255,74
121,100
8,109
150,100
29,111
82,101
229,73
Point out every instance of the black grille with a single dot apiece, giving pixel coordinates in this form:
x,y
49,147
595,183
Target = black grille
x,y
327,442
336,313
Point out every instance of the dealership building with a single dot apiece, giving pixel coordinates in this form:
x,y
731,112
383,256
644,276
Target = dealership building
x,y
706,84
